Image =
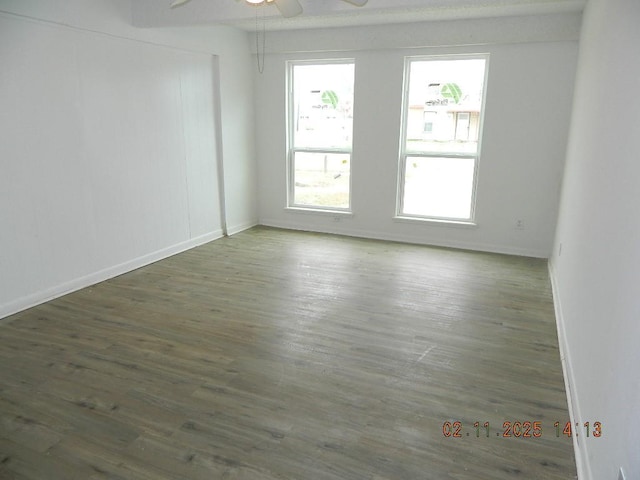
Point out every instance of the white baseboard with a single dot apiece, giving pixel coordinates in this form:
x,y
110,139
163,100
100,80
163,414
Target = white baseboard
x,y
233,229
579,448
398,237
56,291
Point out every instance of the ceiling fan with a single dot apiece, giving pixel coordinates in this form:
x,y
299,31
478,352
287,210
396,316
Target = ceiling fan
x,y
287,8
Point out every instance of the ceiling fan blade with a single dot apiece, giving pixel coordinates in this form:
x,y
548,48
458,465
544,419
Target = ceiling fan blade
x,y
178,3
289,8
357,3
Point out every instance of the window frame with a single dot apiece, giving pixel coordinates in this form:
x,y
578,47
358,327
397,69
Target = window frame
x,y
290,139
405,153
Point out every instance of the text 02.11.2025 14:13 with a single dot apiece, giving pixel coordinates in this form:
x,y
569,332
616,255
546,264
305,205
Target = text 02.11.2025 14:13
x,y
524,429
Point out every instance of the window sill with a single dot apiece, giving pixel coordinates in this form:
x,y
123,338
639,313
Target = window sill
x,y
436,222
320,211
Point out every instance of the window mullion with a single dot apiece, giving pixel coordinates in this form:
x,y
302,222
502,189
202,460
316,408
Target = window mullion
x,y
321,150
411,153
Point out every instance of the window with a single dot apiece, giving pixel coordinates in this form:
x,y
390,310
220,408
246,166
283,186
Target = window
x,y
440,147
320,116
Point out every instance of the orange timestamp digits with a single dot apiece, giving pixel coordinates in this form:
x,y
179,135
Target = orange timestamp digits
x,y
452,429
520,429
594,430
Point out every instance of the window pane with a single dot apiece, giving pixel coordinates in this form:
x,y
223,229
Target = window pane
x,y
323,105
445,98
321,179
438,187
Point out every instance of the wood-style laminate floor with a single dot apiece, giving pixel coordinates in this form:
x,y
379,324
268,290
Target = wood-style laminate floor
x,y
287,355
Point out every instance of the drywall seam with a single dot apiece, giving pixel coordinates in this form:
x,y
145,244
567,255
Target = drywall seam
x,y
100,33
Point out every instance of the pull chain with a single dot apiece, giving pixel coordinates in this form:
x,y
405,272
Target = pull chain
x,y
264,40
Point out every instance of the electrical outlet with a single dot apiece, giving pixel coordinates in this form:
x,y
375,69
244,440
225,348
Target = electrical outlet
x,y
621,475
519,224
337,218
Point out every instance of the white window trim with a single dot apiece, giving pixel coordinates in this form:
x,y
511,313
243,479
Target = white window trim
x,y
292,149
404,152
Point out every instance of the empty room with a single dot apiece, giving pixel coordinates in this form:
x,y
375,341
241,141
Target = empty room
x,y
301,239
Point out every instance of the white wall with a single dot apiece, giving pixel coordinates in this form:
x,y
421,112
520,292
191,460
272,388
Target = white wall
x,y
531,75
597,273
111,138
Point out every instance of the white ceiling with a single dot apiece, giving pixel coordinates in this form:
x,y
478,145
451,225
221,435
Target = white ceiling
x,y
336,13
